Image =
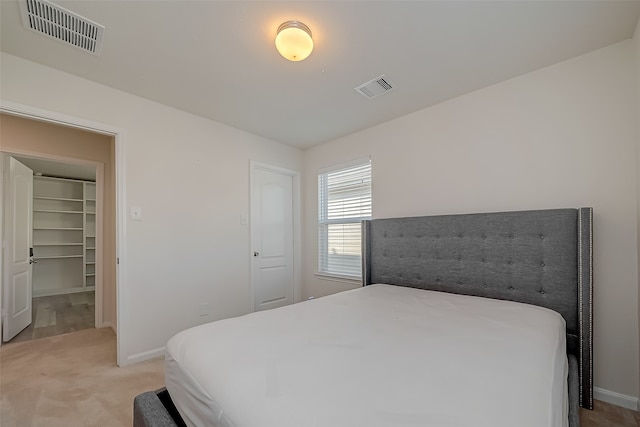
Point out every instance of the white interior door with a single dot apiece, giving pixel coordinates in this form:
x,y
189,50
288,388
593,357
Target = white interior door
x,y
272,237
18,197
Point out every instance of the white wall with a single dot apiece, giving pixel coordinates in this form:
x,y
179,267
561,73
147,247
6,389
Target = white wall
x,y
562,136
636,41
190,176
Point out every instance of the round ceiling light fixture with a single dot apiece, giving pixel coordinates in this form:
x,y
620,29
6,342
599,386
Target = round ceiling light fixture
x,y
294,41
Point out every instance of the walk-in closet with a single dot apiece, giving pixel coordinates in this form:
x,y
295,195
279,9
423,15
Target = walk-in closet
x,y
64,235
59,220
63,249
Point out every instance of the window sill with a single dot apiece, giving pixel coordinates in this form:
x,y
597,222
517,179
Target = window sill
x,y
337,278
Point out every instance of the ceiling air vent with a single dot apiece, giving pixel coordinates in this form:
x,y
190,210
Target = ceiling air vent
x,y
374,88
58,23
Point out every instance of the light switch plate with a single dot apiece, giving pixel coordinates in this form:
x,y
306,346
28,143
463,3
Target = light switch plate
x,y
136,213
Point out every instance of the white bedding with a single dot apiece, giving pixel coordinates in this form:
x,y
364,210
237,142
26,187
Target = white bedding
x,y
375,356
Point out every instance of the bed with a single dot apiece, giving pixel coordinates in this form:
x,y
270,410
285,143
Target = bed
x,y
475,319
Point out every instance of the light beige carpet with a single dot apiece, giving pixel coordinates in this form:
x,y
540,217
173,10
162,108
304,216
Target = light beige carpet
x,y
71,380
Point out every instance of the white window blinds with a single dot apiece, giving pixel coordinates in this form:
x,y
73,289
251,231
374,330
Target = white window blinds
x,y
344,200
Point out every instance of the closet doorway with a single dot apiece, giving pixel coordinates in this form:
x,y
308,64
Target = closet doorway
x,y
73,225
62,250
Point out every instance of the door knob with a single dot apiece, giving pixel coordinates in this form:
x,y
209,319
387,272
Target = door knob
x,y
256,253
32,261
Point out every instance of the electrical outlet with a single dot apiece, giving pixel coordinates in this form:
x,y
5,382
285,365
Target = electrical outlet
x,y
204,309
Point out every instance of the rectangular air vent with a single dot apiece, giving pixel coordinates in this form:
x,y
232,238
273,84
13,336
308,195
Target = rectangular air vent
x,y
374,88
58,23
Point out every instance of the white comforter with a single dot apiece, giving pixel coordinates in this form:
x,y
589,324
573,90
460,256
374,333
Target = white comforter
x,y
376,356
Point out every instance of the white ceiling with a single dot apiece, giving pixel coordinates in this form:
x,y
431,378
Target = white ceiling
x,y
217,59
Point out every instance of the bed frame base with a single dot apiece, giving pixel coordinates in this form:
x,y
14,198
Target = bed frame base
x,y
156,409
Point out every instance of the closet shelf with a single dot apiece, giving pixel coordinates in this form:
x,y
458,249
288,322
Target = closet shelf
x,y
57,257
57,198
59,228
90,263
90,274
52,211
90,248
69,290
58,244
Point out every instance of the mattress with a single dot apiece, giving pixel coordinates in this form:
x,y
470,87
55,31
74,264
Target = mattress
x,y
380,355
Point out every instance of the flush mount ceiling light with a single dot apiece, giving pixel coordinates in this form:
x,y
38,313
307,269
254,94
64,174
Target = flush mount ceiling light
x,y
294,41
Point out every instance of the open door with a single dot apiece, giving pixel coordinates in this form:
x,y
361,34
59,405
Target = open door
x,y
18,259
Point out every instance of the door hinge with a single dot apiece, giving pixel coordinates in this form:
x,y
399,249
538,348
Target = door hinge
x,y
117,260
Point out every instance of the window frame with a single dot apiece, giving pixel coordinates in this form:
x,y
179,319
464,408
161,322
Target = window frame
x,y
324,222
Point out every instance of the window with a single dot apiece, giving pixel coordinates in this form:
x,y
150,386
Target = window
x,y
344,200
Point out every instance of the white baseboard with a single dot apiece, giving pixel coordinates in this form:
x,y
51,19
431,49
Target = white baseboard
x,y
615,398
145,355
108,325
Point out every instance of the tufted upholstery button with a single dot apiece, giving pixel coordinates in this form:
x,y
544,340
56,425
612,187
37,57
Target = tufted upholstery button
x,y
542,291
484,236
438,281
484,260
542,236
459,258
542,264
510,262
460,235
511,288
484,285
511,236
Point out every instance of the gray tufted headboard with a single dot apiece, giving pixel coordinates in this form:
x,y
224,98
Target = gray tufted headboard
x,y
541,257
